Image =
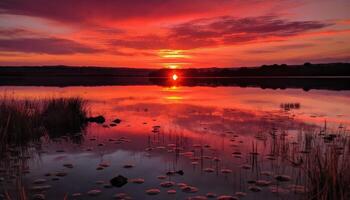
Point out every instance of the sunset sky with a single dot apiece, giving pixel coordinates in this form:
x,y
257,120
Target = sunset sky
x,y
173,33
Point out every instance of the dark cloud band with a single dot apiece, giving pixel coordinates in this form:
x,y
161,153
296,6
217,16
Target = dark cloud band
x,y
44,45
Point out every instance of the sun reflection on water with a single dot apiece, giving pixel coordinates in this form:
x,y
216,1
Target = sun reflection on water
x,y
173,93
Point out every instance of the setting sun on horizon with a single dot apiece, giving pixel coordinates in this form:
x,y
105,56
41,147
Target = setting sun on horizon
x,y
175,77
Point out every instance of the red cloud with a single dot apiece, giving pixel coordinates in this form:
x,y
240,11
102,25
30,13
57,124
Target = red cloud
x,y
80,11
45,45
220,31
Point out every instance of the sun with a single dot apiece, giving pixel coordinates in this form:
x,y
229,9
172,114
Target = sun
x,y
175,77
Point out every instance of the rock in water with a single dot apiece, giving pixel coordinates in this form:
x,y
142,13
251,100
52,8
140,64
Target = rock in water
x,y
171,191
137,180
189,189
128,166
122,196
61,174
167,184
197,198
154,191
209,170
283,178
68,165
38,197
119,181
99,168
94,192
254,189
241,194
117,121
170,173
266,173
41,188
211,195
226,171
39,181
262,183
99,119
77,194
226,197
246,166
180,172
161,177
104,165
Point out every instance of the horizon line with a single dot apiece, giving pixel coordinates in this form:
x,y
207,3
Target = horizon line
x,y
180,68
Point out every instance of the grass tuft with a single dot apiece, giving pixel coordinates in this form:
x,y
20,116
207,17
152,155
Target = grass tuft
x,y
22,121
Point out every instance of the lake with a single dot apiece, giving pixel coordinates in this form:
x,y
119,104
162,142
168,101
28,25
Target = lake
x,y
183,142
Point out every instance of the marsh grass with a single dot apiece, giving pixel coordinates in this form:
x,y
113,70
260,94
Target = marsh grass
x,y
327,168
27,120
64,116
19,121
321,160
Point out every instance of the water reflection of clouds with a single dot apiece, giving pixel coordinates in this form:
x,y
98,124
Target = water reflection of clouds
x,y
195,118
132,98
315,102
259,101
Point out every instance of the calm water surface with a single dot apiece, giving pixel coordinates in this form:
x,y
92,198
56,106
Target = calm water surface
x,y
208,133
